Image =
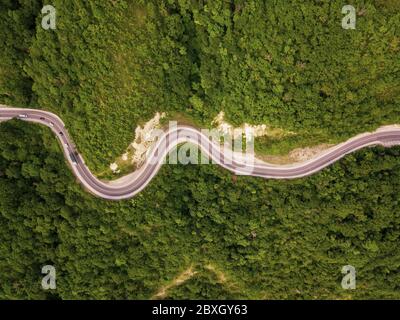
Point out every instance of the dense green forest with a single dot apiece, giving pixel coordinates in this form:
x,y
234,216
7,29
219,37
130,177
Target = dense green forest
x,y
110,65
263,239
288,64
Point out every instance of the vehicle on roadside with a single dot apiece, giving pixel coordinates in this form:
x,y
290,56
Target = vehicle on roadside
x,y
73,158
51,124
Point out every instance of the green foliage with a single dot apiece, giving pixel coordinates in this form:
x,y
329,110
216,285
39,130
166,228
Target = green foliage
x,y
17,25
205,285
283,145
110,65
106,67
270,239
289,64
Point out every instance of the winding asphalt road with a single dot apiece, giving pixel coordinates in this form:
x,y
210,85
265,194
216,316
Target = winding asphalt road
x,y
132,184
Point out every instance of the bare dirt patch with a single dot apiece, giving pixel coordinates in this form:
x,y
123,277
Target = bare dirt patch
x,y
181,278
257,130
135,154
296,155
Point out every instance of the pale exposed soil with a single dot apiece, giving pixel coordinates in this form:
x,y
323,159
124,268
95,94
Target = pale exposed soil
x,y
256,130
181,278
135,154
220,275
136,151
185,276
296,155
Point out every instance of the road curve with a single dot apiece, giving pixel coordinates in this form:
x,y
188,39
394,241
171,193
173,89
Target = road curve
x,y
137,181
